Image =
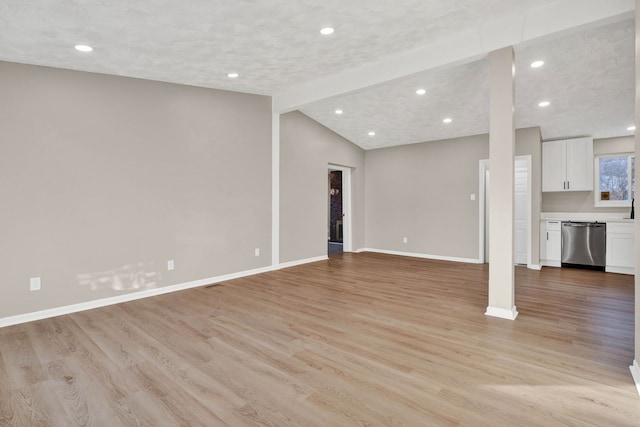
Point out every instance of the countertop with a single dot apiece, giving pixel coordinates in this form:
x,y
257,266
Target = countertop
x,y
585,217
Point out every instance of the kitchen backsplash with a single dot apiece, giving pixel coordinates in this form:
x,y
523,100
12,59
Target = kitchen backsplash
x,y
579,201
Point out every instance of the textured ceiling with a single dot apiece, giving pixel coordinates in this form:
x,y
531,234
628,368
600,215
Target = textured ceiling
x,y
398,116
275,45
588,77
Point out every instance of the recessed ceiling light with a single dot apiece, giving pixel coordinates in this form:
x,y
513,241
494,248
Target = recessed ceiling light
x,y
421,91
233,75
631,128
83,48
447,120
372,133
327,31
339,111
537,64
544,104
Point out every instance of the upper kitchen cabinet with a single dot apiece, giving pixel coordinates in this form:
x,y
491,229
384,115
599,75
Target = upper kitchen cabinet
x,y
567,165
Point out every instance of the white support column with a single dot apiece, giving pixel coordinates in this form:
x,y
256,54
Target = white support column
x,y
635,367
501,154
275,190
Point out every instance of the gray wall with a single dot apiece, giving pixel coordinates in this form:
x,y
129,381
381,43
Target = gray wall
x,y
103,179
422,192
582,201
306,150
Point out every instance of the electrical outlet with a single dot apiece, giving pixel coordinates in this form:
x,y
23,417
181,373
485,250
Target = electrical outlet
x,y
257,251
405,240
34,284
171,265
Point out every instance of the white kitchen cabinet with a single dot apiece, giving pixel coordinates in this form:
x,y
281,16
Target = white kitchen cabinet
x,y
554,169
567,165
550,243
620,248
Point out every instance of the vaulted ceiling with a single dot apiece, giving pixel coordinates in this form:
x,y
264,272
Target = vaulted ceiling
x,y
276,47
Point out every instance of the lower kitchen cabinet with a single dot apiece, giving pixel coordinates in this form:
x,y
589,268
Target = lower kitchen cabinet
x,y
620,248
550,243
620,251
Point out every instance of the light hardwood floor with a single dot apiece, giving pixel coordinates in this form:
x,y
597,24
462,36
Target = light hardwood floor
x,y
358,340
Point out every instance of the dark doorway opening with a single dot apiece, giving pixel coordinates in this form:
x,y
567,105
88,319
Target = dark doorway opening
x,y
335,236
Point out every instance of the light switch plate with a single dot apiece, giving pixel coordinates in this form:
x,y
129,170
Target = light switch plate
x,y
171,265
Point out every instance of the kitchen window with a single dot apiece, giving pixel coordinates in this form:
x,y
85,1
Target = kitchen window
x,y
614,180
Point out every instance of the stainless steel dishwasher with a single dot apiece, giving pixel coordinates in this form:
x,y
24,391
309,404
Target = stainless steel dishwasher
x,y
584,245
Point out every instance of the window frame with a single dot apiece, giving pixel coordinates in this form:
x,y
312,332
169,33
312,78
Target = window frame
x,y
596,177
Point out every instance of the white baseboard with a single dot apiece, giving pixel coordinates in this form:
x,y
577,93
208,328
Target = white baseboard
x,y
635,373
420,255
620,270
301,261
548,263
502,313
534,267
74,308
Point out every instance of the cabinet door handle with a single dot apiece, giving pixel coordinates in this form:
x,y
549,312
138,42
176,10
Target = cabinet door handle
x,y
547,235
568,185
564,185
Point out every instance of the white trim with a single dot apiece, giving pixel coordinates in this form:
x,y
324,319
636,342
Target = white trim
x,y
550,263
301,261
347,223
534,267
619,270
421,255
596,181
74,308
635,373
275,189
502,313
360,250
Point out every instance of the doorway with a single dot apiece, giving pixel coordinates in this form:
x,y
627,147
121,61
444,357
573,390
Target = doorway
x,y
339,210
521,210
336,228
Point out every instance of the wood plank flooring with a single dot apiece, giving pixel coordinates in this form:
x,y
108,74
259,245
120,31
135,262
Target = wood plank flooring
x,y
358,340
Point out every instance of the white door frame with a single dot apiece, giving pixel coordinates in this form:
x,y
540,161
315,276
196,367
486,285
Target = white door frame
x,y
346,206
484,165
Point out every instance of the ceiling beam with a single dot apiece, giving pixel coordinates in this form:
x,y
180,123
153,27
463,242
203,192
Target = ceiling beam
x,y
536,24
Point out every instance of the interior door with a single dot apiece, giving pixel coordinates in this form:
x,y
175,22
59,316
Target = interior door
x,y
520,213
487,186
